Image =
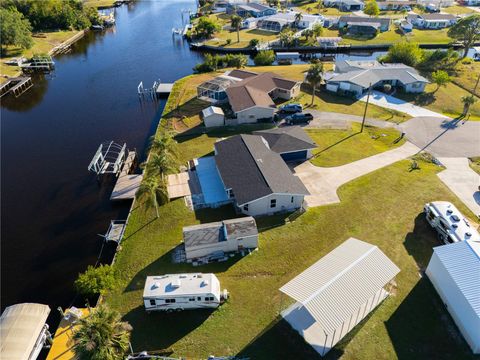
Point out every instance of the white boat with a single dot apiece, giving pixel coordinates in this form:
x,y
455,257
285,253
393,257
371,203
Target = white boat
x,y
476,53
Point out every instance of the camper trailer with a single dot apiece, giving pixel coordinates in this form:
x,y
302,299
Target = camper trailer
x,y
449,223
176,292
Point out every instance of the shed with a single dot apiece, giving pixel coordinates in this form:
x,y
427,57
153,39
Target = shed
x,y
454,271
213,116
337,292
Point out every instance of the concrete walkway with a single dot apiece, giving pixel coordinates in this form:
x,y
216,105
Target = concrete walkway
x,y
463,181
393,103
322,183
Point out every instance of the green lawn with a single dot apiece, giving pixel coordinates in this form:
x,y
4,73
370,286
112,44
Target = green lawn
x,y
99,3
339,147
220,38
475,164
393,35
467,75
457,10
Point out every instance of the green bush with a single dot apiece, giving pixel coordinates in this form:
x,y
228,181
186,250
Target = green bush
x,y
253,42
265,57
229,41
96,280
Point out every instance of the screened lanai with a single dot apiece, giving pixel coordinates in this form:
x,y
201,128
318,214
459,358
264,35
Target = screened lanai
x,y
215,89
274,25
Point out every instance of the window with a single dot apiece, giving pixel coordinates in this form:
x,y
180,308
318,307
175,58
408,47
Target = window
x,y
245,207
273,203
209,298
291,199
169,301
191,299
152,302
199,298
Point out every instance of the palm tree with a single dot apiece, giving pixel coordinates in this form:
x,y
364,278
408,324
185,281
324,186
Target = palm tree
x,y
314,77
102,335
153,191
467,102
235,23
161,164
298,18
165,143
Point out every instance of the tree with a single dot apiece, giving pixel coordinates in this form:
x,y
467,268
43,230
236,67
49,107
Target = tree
x,y
441,78
206,27
153,192
405,52
298,18
95,280
371,8
314,77
15,29
238,61
467,31
468,101
101,336
253,42
286,37
264,57
235,23
317,30
165,143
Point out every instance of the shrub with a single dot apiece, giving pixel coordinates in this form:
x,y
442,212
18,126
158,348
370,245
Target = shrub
x,y
405,52
96,280
229,41
253,42
265,57
467,61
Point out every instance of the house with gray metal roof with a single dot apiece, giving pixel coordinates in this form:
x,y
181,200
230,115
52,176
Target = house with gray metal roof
x,y
228,236
363,25
337,292
353,78
256,178
432,21
454,271
250,9
345,5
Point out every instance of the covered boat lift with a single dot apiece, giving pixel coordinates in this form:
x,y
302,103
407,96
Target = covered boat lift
x,y
24,331
108,159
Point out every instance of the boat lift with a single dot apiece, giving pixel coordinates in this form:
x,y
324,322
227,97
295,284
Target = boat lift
x,y
115,231
108,159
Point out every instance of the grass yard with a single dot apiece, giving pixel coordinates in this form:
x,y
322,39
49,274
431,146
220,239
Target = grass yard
x,y
447,100
467,76
393,35
339,147
457,10
99,3
220,38
475,164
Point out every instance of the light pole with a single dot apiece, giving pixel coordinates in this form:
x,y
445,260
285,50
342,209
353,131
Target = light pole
x,y
366,106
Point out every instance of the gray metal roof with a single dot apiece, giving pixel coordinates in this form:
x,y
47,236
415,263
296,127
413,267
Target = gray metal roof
x,y
287,139
364,19
338,284
241,227
462,262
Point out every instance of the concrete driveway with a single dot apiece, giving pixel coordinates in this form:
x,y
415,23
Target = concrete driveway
x,y
322,183
444,138
393,103
325,119
463,181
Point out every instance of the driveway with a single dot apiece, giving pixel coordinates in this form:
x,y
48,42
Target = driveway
x,y
322,183
463,181
444,138
325,119
393,103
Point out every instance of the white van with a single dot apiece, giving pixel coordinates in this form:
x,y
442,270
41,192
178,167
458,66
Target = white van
x,y
449,223
176,292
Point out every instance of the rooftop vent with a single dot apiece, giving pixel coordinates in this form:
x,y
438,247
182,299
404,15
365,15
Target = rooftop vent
x,y
468,234
449,211
204,283
155,285
455,218
175,283
454,226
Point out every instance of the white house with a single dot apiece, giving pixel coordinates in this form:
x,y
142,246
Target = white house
x,y
226,236
337,292
213,116
345,5
432,21
176,292
454,271
278,21
355,77
396,5
256,178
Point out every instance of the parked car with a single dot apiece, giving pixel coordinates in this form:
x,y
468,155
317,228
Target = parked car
x,y
303,118
291,108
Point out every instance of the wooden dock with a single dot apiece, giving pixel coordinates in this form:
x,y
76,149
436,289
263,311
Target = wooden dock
x,y
62,345
127,184
17,86
164,88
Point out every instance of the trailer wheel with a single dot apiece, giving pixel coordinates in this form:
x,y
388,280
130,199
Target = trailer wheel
x,y
169,311
178,309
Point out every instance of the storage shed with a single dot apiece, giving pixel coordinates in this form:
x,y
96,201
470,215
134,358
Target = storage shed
x,y
213,116
454,271
337,292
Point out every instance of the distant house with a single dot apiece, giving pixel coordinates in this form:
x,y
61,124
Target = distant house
x,y
454,271
437,3
363,25
249,23
213,116
355,77
256,178
251,99
251,9
432,21
220,237
329,42
394,5
470,2
278,21
345,5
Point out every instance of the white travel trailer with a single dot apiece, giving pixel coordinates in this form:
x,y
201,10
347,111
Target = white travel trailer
x,y
449,223
176,292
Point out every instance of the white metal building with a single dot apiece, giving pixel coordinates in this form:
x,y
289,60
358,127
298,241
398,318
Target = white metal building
x,y
337,292
454,271
213,116
23,331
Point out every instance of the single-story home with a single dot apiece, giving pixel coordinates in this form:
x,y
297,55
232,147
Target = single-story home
x,y
249,23
328,42
256,178
393,5
470,2
337,292
277,22
345,5
355,77
454,271
432,21
213,116
363,24
220,237
437,3
292,143
251,99
251,9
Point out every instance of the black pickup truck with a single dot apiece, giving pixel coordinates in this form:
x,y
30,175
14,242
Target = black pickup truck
x,y
303,118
